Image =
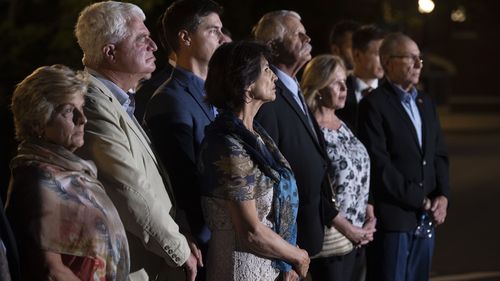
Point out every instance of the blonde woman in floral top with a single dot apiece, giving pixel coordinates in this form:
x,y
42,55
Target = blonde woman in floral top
x,y
323,84
66,226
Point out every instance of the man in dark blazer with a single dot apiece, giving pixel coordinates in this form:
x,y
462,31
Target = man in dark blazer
x,y
148,87
399,126
177,113
367,71
290,123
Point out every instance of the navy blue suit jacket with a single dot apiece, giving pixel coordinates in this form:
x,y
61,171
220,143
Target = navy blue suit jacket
x,y
148,88
176,117
286,123
402,172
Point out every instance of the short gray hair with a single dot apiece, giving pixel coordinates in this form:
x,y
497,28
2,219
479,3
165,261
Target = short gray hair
x,y
270,27
389,45
103,23
38,95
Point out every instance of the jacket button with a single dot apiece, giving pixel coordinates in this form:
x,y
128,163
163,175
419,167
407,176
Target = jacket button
x,y
424,162
421,184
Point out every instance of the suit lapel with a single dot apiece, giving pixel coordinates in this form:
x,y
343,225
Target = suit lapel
x,y
394,101
282,90
351,94
132,123
195,93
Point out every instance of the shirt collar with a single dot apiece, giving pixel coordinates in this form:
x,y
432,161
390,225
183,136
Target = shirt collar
x,y
289,82
361,85
404,95
118,92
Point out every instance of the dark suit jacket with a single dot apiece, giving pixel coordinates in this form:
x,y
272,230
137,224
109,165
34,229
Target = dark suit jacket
x,y
176,117
148,88
403,174
288,126
349,114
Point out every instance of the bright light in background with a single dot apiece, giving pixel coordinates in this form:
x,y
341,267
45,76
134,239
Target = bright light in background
x,y
425,6
458,15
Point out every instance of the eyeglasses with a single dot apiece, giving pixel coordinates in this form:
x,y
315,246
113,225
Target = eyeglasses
x,y
414,58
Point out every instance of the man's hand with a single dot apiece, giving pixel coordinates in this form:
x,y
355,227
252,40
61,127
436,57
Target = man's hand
x,y
438,209
191,267
195,250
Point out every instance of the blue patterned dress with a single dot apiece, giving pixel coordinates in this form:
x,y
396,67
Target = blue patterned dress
x,y
237,165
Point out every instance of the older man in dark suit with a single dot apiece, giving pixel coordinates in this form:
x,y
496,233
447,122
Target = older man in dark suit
x,y
399,126
290,123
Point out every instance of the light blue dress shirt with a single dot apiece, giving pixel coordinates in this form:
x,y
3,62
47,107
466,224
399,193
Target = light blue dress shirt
x,y
125,99
292,85
408,100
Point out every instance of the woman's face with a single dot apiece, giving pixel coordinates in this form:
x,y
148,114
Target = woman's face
x,y
264,88
65,127
333,96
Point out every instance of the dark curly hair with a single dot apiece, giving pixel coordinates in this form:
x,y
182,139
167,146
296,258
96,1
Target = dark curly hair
x,y
233,67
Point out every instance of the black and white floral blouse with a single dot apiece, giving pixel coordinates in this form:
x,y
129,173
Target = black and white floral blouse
x,y
351,172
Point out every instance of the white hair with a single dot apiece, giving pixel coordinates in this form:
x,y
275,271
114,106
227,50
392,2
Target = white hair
x,y
270,27
103,23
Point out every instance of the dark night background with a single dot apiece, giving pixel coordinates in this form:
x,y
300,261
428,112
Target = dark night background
x,y
461,62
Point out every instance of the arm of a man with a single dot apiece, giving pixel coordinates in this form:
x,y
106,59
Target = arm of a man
x,y
439,197
385,177
142,202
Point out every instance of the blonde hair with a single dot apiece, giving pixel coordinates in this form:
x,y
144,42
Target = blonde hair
x,y
36,97
317,75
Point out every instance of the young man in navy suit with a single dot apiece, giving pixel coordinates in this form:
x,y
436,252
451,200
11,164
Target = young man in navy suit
x,y
177,113
399,126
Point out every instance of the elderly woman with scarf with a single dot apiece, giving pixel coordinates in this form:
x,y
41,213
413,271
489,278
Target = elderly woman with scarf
x,y
66,226
249,192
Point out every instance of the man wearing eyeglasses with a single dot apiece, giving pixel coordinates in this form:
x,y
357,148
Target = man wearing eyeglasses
x,y
409,188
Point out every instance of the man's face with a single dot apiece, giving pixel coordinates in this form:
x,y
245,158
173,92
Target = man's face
x,y
206,38
403,66
295,45
345,50
367,63
134,55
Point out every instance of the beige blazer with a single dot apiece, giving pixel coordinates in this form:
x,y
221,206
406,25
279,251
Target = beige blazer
x,y
131,175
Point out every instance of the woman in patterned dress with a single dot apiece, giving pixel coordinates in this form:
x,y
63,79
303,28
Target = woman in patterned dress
x,y
323,84
250,197
65,225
